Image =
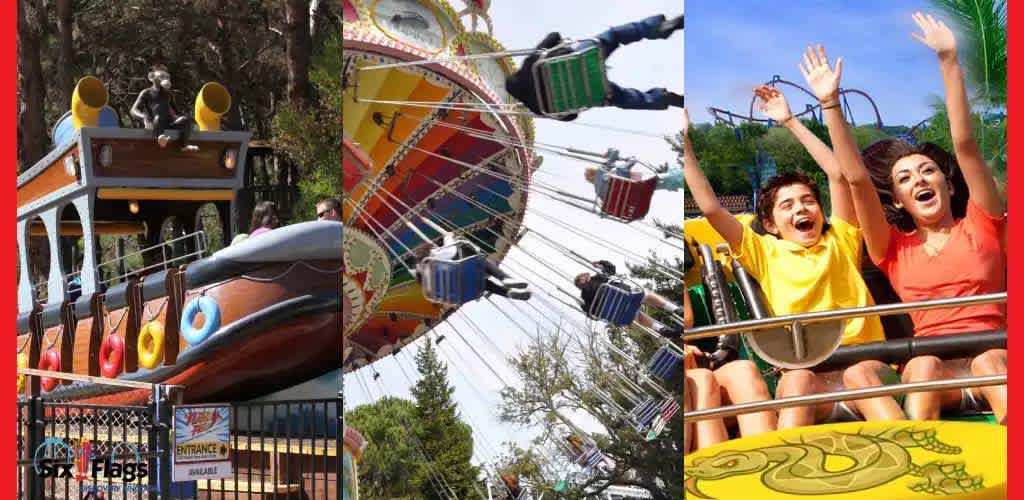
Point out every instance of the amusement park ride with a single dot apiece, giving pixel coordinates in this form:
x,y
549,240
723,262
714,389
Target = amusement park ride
x,y
961,456
255,317
435,148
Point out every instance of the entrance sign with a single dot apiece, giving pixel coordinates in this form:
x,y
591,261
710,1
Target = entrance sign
x,y
202,442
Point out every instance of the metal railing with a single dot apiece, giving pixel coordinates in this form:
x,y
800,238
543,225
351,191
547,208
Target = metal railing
x,y
844,395
835,314
850,394
279,449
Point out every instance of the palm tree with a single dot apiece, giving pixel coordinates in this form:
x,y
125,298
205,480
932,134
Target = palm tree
x,y
982,28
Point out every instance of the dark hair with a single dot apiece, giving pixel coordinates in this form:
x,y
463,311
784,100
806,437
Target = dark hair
x,y
879,159
265,214
332,203
766,198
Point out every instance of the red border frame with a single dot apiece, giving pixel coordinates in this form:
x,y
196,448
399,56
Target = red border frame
x,y
7,252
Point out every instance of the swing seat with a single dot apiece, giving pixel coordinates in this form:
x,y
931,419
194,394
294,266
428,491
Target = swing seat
x,y
628,200
644,414
572,82
665,363
617,302
452,282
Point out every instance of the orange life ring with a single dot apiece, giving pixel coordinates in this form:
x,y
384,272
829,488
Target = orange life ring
x,y
111,356
49,361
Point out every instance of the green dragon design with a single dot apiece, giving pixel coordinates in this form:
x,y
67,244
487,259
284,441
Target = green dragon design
x,y
798,468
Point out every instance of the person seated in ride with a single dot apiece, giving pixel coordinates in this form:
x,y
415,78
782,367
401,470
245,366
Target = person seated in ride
x,y
737,382
670,180
264,218
805,263
933,223
521,84
589,284
498,281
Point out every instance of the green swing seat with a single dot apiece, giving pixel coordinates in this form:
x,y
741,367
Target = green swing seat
x,y
572,82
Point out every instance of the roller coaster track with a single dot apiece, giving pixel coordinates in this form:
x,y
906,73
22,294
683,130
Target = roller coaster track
x,y
729,117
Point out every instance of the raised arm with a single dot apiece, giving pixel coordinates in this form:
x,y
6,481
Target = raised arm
x,y
775,106
978,176
825,84
727,226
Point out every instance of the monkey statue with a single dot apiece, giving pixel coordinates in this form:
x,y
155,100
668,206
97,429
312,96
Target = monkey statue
x,y
156,109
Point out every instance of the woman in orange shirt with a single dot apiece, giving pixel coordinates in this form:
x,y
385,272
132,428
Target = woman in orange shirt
x,y
933,224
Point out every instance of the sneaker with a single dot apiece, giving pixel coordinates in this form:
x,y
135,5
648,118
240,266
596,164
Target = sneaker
x,y
190,148
519,294
514,283
163,139
674,99
671,332
670,26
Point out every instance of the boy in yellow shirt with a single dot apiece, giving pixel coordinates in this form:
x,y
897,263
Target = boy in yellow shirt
x,y
806,263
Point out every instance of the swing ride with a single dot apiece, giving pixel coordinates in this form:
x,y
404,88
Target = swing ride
x,y
252,318
963,455
436,149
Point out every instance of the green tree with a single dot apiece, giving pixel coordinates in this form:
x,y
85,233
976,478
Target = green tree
x,y
388,466
562,374
446,441
311,135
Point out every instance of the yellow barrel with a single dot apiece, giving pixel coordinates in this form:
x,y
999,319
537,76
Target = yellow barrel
x,y
86,102
213,101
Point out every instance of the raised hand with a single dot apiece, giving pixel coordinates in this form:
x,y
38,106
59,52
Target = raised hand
x,y
824,82
773,103
686,122
937,36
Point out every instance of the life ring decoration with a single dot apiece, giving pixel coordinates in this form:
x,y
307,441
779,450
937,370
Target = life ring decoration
x,y
891,460
211,322
112,355
151,344
49,361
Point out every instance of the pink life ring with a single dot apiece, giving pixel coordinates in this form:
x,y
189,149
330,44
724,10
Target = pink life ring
x,y
49,361
111,356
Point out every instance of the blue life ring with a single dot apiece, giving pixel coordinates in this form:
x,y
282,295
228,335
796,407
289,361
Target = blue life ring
x,y
208,306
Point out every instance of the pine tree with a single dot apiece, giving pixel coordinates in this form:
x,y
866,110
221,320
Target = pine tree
x,y
446,441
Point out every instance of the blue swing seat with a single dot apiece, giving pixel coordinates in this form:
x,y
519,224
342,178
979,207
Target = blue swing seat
x,y
645,413
665,363
617,302
452,282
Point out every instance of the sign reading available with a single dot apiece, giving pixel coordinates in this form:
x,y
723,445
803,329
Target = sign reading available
x,y
202,442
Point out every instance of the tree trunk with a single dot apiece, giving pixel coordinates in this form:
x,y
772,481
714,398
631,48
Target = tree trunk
x,y
297,48
32,128
66,65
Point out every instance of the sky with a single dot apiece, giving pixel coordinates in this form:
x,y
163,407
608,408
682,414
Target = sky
x,y
519,24
734,46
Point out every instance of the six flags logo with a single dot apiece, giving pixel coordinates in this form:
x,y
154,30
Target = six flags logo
x,y
56,458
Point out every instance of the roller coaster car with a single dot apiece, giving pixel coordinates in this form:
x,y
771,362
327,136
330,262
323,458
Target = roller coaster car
x,y
454,280
617,302
628,200
568,81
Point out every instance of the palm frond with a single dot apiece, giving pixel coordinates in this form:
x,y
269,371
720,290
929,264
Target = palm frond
x,y
981,27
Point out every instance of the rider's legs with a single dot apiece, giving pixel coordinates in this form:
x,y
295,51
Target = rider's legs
x,y
706,394
655,98
870,374
801,383
742,382
992,362
650,28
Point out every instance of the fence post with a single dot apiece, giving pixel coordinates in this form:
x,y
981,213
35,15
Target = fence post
x,y
153,445
36,428
339,436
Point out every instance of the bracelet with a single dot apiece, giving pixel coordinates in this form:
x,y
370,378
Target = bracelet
x,y
830,106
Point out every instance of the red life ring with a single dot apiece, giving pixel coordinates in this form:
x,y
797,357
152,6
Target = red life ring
x,y
49,361
111,356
